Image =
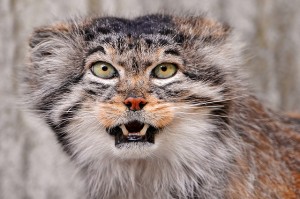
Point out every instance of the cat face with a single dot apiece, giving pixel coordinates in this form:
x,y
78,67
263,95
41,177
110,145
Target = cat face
x,y
126,89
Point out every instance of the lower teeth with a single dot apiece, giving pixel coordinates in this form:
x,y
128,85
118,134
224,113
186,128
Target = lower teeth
x,y
134,137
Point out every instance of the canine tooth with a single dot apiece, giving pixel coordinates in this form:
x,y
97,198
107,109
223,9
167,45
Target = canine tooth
x,y
144,129
124,130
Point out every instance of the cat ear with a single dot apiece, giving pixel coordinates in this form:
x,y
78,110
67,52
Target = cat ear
x,y
206,29
46,33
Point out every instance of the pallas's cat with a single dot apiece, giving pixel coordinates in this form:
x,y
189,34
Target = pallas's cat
x,y
155,107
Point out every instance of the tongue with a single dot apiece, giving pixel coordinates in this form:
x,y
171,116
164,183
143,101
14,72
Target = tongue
x,y
134,127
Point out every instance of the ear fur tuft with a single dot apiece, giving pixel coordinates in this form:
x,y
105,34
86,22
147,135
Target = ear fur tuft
x,y
45,33
206,29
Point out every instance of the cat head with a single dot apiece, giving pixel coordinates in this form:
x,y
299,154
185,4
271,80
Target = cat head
x,y
133,88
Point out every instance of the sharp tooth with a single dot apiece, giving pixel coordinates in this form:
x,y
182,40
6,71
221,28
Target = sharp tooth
x,y
124,130
143,131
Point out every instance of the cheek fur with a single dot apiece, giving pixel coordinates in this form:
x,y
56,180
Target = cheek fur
x,y
160,114
109,113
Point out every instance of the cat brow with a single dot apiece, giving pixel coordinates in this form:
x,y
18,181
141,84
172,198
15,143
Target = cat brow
x,y
172,52
97,49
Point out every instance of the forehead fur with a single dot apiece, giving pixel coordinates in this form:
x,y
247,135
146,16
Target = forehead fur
x,y
178,28
150,24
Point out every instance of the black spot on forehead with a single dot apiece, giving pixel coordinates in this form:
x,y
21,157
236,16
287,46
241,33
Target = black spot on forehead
x,y
149,24
154,24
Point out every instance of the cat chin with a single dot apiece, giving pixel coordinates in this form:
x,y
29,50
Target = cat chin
x,y
135,150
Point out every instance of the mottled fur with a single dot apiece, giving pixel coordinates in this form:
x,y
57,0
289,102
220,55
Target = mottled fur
x,y
216,140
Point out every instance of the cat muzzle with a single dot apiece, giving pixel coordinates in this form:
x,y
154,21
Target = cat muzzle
x,y
133,131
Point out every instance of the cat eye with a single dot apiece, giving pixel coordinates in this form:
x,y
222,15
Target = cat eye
x,y
104,70
164,71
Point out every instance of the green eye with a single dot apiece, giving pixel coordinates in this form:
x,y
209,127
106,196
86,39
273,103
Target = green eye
x,y
104,70
164,71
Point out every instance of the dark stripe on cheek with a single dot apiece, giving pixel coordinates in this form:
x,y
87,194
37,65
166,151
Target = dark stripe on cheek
x,y
218,113
199,100
170,95
95,92
96,88
170,84
210,75
60,127
219,109
47,102
99,85
220,118
221,114
69,113
61,136
175,94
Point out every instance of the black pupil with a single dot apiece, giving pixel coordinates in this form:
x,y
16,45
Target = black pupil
x,y
104,68
164,68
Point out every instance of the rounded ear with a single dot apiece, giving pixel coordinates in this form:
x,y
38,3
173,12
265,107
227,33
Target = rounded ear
x,y
206,29
45,33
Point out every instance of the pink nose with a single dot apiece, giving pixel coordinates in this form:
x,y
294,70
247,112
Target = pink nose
x,y
135,104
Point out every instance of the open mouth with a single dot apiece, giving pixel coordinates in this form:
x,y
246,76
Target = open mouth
x,y
134,131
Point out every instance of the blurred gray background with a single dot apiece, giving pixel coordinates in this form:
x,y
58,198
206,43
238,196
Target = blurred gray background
x,y
32,165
